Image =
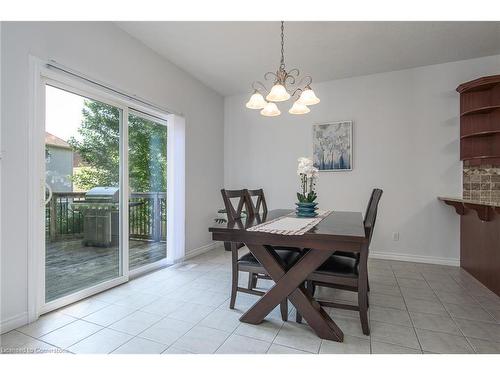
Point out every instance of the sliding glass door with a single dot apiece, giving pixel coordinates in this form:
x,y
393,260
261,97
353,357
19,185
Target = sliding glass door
x,y
106,192
83,192
147,160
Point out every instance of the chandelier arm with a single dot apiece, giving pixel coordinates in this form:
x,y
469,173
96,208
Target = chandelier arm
x,y
303,81
290,79
298,89
255,85
271,74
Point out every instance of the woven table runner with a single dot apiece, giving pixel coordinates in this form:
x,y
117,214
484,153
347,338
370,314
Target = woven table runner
x,y
290,224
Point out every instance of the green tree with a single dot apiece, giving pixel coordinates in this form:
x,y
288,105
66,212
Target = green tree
x,y
98,145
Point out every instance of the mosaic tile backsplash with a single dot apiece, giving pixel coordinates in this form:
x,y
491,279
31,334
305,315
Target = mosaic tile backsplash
x,y
481,183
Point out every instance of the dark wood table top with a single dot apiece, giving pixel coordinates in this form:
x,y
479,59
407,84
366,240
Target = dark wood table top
x,y
340,227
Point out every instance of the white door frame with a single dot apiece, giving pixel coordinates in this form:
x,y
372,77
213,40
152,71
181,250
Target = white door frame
x,y
40,76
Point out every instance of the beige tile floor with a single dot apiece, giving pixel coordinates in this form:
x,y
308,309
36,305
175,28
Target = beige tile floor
x,y
415,308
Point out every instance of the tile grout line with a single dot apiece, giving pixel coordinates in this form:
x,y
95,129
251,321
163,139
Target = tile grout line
x,y
270,344
103,327
408,312
76,319
166,316
479,303
449,314
215,351
195,325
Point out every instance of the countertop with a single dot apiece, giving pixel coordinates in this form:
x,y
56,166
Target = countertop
x,y
471,201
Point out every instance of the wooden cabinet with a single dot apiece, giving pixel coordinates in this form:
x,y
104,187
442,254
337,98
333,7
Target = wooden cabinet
x,y
479,239
480,121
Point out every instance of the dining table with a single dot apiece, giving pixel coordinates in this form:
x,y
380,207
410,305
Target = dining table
x,y
337,231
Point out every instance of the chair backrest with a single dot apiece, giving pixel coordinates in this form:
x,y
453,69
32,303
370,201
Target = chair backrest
x,y
232,213
371,213
260,203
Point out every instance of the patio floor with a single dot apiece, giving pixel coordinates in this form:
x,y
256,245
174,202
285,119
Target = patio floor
x,y
70,266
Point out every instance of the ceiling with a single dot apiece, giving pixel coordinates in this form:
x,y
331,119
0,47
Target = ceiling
x,y
229,56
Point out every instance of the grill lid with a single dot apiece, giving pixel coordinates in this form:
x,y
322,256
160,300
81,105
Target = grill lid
x,y
106,194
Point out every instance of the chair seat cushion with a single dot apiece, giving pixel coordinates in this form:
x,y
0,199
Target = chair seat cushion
x,y
338,265
347,254
289,257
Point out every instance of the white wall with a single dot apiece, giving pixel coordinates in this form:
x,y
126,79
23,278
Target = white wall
x,y
406,141
108,54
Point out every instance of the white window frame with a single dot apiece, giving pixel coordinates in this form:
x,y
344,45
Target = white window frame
x,y
42,75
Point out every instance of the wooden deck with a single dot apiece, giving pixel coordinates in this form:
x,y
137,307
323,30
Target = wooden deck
x,y
70,266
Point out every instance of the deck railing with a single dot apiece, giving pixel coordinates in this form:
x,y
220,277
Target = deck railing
x,y
148,219
147,216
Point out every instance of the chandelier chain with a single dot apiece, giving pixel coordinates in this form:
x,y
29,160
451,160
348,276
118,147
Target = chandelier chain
x,y
282,64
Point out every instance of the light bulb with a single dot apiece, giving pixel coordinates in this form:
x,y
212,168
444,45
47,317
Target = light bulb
x,y
278,94
271,109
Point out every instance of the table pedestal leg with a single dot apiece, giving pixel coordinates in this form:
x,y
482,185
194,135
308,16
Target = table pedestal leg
x,y
289,284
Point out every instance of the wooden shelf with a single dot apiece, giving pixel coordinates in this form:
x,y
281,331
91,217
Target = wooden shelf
x,y
480,121
480,134
482,157
481,110
480,84
484,210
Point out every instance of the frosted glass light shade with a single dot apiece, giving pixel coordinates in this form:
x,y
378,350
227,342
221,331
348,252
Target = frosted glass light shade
x,y
308,97
256,101
299,109
278,94
271,109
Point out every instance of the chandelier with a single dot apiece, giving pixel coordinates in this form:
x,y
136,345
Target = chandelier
x,y
284,82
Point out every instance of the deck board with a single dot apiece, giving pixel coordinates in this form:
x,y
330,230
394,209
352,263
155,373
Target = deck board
x,y
70,266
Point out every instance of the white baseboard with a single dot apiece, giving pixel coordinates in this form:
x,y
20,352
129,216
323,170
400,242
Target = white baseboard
x,y
14,322
373,254
415,258
198,251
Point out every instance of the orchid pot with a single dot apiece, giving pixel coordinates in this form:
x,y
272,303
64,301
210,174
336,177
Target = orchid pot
x,y
306,206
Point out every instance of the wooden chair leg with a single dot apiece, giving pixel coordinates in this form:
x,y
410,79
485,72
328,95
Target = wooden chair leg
x,y
298,317
363,291
250,280
311,288
284,310
235,273
363,308
254,281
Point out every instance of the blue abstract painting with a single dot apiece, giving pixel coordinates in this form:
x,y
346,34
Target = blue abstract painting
x,y
332,146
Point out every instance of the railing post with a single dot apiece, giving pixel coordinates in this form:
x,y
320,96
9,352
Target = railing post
x,y
163,216
53,216
156,218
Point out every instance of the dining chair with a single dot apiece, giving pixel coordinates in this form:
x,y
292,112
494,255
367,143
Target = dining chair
x,y
247,262
260,204
348,271
237,213
259,208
